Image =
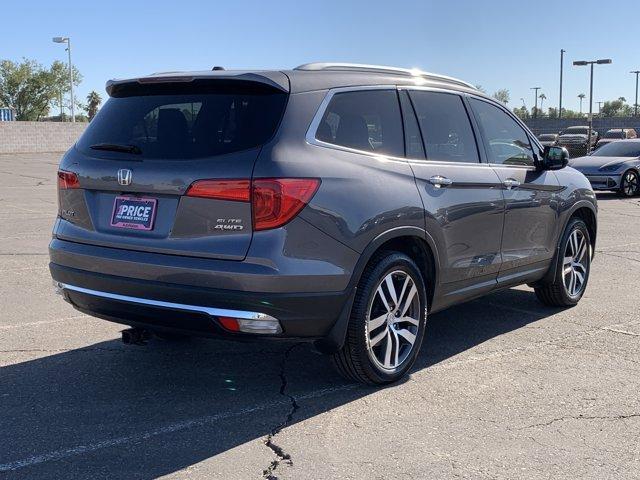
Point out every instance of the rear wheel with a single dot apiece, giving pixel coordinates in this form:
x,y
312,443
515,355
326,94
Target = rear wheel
x,y
630,183
572,268
387,322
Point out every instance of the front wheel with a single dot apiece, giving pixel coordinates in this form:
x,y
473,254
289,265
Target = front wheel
x,y
387,322
630,183
572,268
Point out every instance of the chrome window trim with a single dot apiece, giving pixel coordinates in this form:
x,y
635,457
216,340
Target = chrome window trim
x,y
211,311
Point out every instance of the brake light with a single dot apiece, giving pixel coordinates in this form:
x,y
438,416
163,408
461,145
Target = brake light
x,y
233,190
67,180
275,201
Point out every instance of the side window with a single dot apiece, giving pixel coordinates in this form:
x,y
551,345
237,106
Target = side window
x,y
366,120
445,126
507,143
412,137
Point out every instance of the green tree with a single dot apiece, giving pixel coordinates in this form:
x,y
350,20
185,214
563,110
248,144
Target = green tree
x,y
616,108
542,98
522,113
31,89
502,95
481,88
93,103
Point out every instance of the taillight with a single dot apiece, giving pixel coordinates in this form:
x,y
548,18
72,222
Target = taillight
x,y
67,180
275,201
234,190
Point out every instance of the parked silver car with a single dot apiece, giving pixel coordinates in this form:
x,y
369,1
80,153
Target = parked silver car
x,y
615,166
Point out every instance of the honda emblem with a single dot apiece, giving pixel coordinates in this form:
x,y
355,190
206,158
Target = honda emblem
x,y
125,176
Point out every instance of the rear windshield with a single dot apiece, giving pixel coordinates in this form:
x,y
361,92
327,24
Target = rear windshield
x,y
619,149
183,121
547,137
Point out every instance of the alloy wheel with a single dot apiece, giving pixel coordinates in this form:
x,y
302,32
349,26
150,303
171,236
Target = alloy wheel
x,y
630,183
576,257
393,320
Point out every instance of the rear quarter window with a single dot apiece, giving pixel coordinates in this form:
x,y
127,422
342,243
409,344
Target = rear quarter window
x,y
367,120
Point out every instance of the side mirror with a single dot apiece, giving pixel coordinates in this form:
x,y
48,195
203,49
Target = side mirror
x,y
555,158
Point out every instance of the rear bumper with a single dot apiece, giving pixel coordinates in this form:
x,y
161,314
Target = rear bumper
x,y
138,289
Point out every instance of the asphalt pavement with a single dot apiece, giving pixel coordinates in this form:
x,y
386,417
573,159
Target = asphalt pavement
x,y
503,388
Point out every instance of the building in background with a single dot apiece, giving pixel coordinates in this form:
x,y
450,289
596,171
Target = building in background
x,y
7,114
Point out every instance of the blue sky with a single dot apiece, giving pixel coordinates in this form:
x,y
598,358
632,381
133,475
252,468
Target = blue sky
x,y
497,44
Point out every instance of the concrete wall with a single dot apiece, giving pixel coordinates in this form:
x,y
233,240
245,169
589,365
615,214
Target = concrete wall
x,y
38,137
600,124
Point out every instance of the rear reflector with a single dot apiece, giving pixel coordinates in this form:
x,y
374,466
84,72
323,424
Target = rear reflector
x,y
275,201
264,325
229,323
233,190
67,180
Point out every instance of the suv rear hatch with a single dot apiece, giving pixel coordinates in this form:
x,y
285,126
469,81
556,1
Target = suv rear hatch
x,y
130,182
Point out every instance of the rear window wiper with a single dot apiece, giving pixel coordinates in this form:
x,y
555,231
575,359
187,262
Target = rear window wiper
x,y
116,147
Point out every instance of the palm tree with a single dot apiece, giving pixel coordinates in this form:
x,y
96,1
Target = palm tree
x,y
581,97
542,98
93,102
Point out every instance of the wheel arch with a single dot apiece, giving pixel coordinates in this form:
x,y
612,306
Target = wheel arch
x,y
416,243
586,211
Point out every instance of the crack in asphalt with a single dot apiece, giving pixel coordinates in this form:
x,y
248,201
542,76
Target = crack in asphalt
x,y
583,417
269,473
620,256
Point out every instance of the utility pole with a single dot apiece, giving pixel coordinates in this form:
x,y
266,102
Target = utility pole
x,y
535,111
635,106
599,107
67,40
562,52
583,63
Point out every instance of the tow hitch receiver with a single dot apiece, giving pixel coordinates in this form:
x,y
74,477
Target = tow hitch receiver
x,y
135,336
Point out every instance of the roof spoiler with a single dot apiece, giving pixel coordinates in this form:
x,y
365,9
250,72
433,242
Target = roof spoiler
x,y
181,77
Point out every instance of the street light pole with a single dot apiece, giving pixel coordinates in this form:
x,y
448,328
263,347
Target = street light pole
x,y
635,106
561,68
535,111
67,40
583,63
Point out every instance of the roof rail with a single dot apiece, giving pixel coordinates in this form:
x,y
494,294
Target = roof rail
x,y
357,67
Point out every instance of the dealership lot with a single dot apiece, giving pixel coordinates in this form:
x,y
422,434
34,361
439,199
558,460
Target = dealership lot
x,y
503,388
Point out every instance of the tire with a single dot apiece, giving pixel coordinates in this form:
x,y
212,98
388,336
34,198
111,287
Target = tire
x,y
568,286
630,183
369,355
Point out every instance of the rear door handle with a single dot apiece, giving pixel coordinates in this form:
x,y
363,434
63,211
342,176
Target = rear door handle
x,y
439,181
511,183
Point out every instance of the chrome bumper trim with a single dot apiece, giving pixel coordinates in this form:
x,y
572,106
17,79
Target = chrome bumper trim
x,y
253,322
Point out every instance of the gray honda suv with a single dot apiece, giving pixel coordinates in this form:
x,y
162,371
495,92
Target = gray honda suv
x,y
334,203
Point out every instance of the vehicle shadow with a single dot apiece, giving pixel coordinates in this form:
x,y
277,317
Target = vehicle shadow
x,y
115,411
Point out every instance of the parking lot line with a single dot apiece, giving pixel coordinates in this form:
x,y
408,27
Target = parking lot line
x,y
172,428
42,322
